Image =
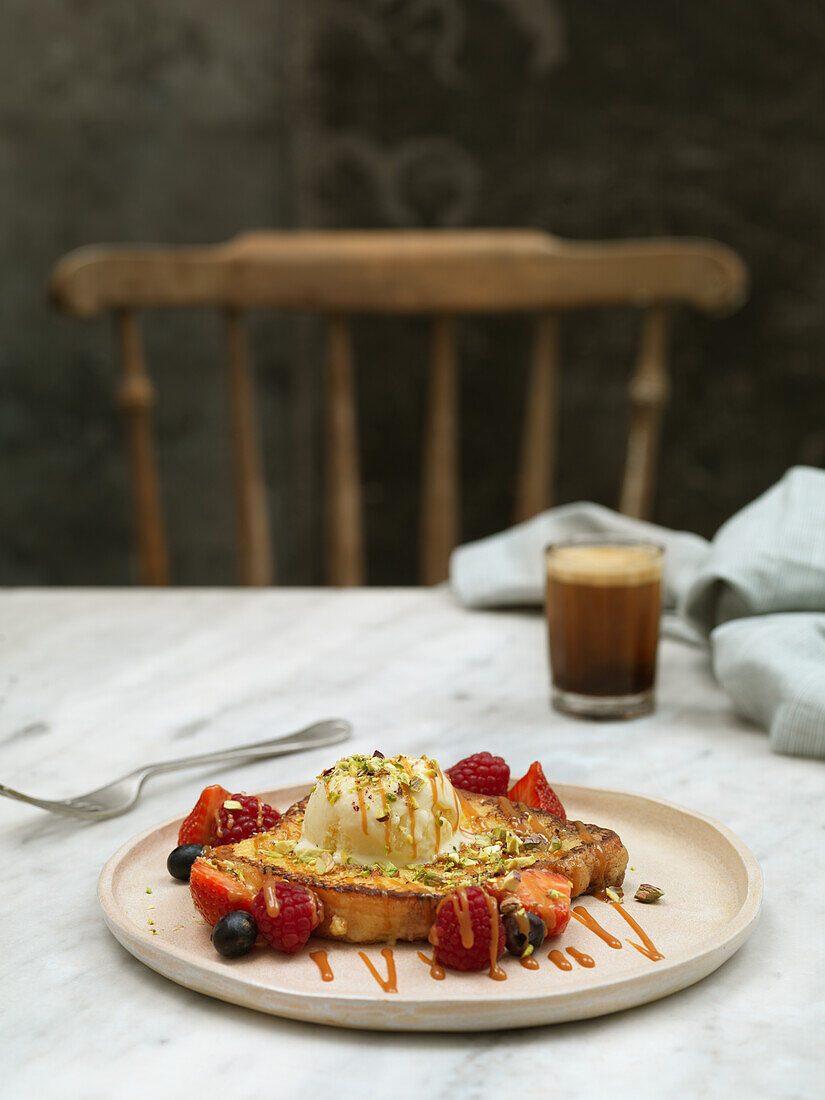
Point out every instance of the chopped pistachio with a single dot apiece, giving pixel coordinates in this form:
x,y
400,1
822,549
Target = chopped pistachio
x,y
648,894
614,895
510,882
520,861
148,889
527,952
232,804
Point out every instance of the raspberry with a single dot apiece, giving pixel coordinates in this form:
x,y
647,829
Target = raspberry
x,y
286,914
475,913
253,816
481,773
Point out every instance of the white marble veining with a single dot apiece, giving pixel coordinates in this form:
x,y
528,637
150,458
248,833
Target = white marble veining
x,y
93,683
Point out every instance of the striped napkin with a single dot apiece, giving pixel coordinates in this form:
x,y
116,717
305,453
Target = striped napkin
x,y
755,594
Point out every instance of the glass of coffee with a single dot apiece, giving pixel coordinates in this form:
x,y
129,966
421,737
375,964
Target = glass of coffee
x,y
603,606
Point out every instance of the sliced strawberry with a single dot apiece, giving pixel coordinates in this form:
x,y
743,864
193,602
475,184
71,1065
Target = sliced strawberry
x,y
199,826
534,790
216,893
548,895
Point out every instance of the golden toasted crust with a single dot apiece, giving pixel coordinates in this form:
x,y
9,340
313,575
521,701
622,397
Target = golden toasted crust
x,y
373,907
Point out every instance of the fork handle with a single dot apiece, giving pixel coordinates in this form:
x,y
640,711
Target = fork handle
x,y
328,732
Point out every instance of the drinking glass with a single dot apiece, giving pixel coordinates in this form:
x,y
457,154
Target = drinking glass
x,y
603,607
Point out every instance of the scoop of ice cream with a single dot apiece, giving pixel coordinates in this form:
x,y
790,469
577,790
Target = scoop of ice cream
x,y
395,811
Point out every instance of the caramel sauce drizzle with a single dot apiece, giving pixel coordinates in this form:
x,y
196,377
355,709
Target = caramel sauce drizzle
x,y
496,972
411,811
583,917
363,807
581,958
390,984
561,962
434,789
461,908
530,963
602,894
474,820
523,820
436,969
385,813
321,960
273,906
650,950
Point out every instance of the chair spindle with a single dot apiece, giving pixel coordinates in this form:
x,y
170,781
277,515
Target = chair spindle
x,y
440,492
345,523
136,396
254,546
649,389
534,491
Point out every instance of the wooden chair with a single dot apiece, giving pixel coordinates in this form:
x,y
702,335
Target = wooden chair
x,y
443,274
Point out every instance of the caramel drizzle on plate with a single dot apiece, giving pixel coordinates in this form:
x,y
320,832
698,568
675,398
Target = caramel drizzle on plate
x,y
561,962
390,983
580,957
321,960
436,969
649,950
583,917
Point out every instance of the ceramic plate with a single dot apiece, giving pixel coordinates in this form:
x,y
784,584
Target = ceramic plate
x,y
713,893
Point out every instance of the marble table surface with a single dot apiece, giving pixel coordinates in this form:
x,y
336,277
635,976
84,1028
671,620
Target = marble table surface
x,y
93,683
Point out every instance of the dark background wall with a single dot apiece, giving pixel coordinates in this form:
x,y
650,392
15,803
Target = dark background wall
x,y
191,121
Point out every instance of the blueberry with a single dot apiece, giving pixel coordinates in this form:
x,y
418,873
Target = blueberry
x,y
179,863
234,934
516,939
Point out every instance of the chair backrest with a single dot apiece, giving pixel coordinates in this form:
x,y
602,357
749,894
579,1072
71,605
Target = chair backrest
x,y
442,274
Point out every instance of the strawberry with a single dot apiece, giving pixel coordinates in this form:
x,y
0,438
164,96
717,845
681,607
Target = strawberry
x,y
216,893
199,826
546,894
534,791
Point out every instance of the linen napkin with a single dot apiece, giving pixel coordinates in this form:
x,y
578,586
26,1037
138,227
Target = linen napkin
x,y
755,594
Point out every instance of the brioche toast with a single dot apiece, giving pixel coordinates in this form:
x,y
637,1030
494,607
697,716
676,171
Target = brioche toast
x,y
375,904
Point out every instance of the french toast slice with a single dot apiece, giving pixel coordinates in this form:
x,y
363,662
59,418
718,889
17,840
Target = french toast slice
x,y
365,904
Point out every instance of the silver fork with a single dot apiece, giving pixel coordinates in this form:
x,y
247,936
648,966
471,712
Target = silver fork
x,y
121,795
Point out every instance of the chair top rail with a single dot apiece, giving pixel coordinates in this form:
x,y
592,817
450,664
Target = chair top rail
x,y
468,271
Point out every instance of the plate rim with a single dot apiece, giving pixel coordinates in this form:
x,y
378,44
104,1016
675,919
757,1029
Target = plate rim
x,y
724,943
